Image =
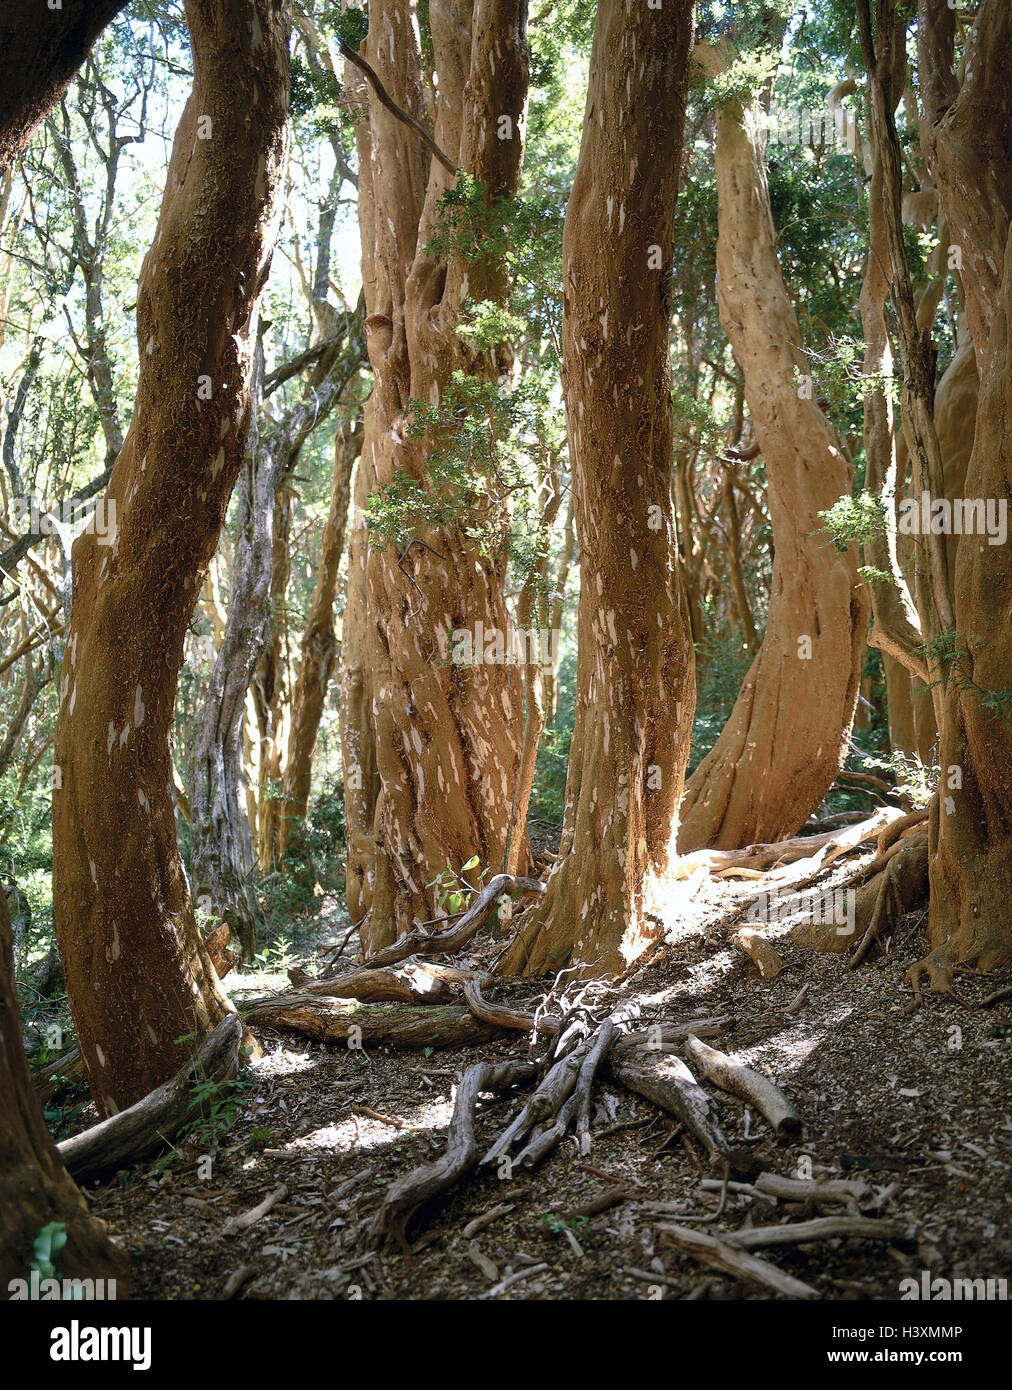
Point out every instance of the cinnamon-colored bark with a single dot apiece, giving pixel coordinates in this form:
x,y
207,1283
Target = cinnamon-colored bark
x,y
635,667
431,749
35,1188
139,982
785,740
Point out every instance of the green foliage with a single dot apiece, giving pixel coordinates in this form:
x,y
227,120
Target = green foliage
x,y
721,663
855,520
454,893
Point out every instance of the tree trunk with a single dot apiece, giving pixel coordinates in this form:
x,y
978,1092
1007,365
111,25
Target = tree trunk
x,y
221,843
319,640
896,626
35,1188
43,47
444,739
635,692
786,738
223,839
970,149
138,979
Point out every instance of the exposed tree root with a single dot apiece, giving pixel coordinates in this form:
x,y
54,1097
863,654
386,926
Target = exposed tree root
x,y
668,1083
126,1138
939,967
810,852
894,883
453,938
749,1085
431,1180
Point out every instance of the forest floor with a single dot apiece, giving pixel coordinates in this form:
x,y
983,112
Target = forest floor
x,y
914,1101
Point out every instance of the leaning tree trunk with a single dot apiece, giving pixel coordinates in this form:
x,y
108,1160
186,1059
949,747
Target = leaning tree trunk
x,y
635,691
319,640
896,627
969,146
35,1188
786,738
139,982
43,44
444,739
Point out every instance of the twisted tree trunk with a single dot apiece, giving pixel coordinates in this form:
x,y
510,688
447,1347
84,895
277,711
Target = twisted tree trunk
x,y
139,982
786,738
635,693
968,141
431,749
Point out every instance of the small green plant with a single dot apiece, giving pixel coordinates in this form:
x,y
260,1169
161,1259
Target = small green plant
x,y
557,1224
46,1246
259,1137
454,893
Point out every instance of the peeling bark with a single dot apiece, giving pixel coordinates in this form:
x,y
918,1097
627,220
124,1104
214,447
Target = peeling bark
x,y
635,669
431,750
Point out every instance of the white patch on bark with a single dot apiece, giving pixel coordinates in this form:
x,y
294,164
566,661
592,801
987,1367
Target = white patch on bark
x,y
138,708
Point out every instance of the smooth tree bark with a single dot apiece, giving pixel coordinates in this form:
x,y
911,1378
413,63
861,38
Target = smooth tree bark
x,y
969,146
141,987
896,626
430,748
319,638
635,677
42,46
786,738
35,1188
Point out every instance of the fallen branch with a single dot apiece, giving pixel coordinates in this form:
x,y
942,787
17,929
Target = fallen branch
x,y
730,1259
819,1228
397,1025
749,1085
668,1083
249,1218
810,1190
133,1134
814,849
55,1075
405,986
453,938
